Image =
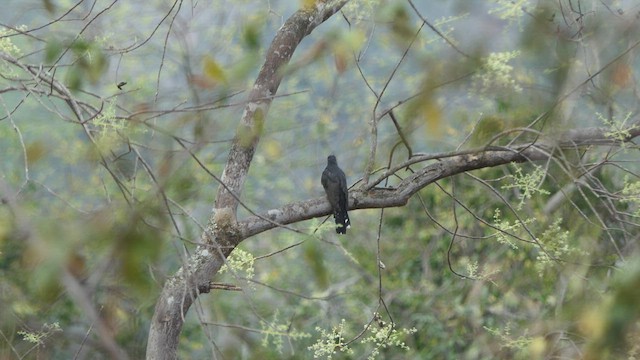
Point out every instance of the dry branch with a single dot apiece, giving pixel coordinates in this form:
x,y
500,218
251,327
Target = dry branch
x,y
222,234
453,164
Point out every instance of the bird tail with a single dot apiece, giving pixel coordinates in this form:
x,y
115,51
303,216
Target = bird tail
x,y
342,221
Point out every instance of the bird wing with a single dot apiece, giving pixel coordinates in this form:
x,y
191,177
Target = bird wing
x,y
331,184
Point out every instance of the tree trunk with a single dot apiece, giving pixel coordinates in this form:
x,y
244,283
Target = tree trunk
x,y
222,234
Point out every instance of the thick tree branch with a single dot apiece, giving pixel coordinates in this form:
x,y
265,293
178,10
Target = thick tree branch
x,y
222,235
453,164
248,134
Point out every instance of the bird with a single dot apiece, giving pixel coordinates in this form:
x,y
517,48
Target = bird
x,y
334,183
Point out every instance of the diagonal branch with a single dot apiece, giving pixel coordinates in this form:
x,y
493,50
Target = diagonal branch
x,y
221,235
265,88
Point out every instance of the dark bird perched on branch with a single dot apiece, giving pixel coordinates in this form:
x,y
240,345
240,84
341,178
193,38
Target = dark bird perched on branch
x,y
334,183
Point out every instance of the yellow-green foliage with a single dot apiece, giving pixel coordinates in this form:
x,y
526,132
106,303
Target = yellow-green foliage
x,y
496,72
38,337
507,230
380,334
239,263
619,129
528,184
8,46
275,332
510,10
631,194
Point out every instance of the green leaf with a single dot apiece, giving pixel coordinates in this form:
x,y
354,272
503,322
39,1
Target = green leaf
x,y
52,51
213,70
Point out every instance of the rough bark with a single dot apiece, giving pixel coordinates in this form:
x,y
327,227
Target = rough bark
x,y
446,166
222,233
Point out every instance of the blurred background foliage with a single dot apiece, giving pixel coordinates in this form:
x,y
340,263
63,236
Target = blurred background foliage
x,y
470,268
